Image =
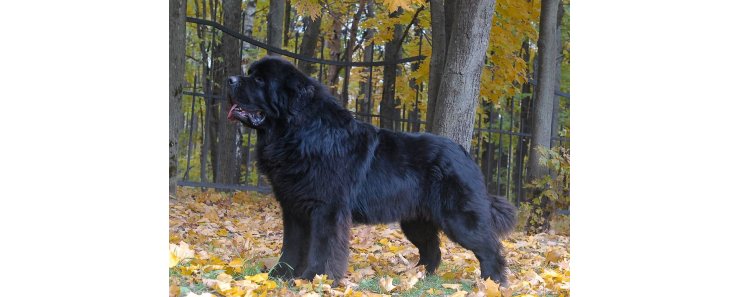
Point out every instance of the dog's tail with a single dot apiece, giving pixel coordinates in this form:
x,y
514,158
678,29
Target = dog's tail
x,y
504,215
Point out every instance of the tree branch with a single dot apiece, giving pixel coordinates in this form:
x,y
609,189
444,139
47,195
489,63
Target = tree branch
x,y
406,31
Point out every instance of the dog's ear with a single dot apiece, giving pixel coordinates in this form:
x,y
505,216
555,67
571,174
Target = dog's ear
x,y
301,89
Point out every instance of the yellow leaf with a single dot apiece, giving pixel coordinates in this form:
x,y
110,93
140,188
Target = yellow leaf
x,y
236,263
491,288
300,282
452,286
173,259
257,278
321,279
386,283
180,252
222,232
269,285
234,292
450,275
224,281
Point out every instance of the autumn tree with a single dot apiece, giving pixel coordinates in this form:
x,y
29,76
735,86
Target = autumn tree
x,y
485,77
349,50
389,114
543,107
177,73
367,56
310,42
459,86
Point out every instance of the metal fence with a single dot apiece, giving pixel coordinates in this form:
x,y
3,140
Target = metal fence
x,y
500,141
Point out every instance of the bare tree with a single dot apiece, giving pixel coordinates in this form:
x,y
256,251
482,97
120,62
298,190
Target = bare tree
x,y
459,85
177,75
543,106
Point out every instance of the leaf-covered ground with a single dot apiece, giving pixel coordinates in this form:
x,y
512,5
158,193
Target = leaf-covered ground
x,y
224,244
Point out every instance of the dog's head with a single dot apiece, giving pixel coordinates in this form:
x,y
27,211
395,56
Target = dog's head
x,y
273,90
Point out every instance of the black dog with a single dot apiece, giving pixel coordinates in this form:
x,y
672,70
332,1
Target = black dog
x,y
329,170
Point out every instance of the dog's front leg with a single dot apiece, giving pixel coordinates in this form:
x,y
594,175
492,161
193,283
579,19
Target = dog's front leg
x,y
296,238
330,227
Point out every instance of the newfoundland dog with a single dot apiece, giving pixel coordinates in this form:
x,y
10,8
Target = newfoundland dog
x,y
328,171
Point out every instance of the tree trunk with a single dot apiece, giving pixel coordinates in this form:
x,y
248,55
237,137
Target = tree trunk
x,y
177,75
334,53
449,18
525,120
460,84
286,24
209,74
437,63
275,18
248,27
349,51
367,56
227,160
555,132
389,114
309,44
544,97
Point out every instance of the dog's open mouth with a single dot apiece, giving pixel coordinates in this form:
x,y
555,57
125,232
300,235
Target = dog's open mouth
x,y
254,116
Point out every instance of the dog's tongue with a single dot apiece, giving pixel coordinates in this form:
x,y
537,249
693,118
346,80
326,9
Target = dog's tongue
x,y
231,112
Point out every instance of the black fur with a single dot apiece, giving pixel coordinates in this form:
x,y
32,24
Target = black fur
x,y
329,171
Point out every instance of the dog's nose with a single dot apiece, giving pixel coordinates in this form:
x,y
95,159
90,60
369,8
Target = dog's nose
x,y
233,80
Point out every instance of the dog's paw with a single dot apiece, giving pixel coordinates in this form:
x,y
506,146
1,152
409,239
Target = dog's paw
x,y
282,271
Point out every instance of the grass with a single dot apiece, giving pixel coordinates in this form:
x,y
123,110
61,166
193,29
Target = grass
x,y
430,282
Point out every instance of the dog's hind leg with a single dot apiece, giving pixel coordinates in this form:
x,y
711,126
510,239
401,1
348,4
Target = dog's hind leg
x,y
425,236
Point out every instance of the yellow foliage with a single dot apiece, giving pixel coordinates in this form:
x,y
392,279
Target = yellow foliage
x,y
309,8
392,5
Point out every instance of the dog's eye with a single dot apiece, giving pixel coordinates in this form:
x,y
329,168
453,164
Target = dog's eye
x,y
258,80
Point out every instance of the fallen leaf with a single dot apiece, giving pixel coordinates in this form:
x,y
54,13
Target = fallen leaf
x,y
452,286
386,283
257,278
491,288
